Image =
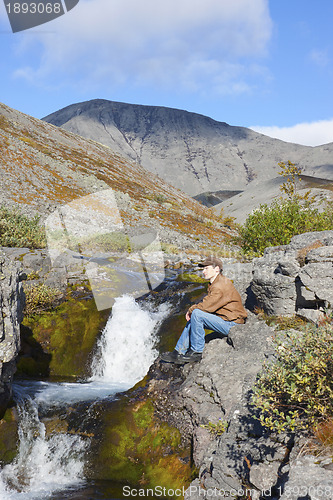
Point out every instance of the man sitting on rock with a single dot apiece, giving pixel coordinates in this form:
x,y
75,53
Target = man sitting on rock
x,y
219,310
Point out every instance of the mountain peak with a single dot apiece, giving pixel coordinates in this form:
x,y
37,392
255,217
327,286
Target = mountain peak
x,y
190,151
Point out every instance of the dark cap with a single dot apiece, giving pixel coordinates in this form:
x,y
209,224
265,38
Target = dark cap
x,y
212,261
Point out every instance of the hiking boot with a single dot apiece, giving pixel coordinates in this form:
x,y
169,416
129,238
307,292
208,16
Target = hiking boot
x,y
189,357
170,357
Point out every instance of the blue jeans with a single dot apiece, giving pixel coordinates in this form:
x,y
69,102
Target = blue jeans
x,y
193,335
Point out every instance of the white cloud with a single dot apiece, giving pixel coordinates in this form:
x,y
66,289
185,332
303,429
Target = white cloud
x,y
176,44
308,134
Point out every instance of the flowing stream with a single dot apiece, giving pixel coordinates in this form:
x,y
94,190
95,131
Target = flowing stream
x,y
47,464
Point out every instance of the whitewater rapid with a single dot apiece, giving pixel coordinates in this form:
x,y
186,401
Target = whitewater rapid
x,y
47,464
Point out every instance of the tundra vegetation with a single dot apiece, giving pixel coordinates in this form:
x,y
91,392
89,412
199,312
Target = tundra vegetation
x,y
295,391
40,297
18,230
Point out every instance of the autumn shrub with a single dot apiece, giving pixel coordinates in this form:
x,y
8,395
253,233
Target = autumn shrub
x,y
276,224
322,441
295,391
18,230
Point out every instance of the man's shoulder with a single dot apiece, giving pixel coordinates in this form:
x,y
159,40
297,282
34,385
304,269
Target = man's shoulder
x,y
220,278
221,281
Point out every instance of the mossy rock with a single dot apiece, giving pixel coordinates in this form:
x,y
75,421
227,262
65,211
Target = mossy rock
x,y
8,436
61,340
191,278
172,329
138,450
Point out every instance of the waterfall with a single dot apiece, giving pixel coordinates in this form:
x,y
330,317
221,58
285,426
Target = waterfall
x,y
126,348
47,464
43,465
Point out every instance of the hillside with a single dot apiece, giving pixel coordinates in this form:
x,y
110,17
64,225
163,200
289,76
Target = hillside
x,y
43,167
190,151
257,193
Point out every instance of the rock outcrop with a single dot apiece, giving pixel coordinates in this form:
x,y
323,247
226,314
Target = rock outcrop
x,y
199,398
296,278
246,461
11,309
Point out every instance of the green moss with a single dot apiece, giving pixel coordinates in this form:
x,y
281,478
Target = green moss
x,y
143,416
40,297
138,449
28,366
191,277
8,436
174,324
32,360
68,335
159,474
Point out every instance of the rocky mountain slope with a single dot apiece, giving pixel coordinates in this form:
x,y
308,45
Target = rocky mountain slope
x,y
42,167
188,150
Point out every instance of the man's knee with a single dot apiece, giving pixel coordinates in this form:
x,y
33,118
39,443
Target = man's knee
x,y
196,314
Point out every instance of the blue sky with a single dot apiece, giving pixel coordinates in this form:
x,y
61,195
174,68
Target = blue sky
x,y
262,64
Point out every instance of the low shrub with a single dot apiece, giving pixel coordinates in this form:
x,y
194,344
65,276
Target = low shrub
x,y
40,297
276,224
295,391
110,242
18,230
322,441
216,429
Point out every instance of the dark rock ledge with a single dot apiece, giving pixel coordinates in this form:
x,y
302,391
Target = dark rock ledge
x,y
217,388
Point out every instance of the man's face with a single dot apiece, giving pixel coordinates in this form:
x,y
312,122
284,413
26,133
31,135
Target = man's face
x,y
210,272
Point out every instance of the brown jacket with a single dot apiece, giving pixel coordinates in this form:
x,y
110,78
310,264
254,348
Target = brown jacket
x,y
222,299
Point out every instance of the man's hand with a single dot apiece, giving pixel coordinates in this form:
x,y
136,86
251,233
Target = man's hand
x,y
188,316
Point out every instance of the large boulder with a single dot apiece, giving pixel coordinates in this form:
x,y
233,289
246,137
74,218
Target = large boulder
x,y
310,477
296,278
